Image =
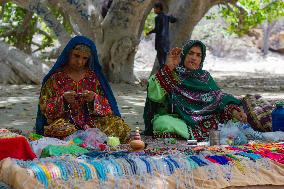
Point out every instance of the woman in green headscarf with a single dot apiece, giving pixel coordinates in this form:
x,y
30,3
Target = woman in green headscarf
x,y
184,101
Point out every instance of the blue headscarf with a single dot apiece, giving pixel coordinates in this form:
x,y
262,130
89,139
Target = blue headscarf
x,y
94,66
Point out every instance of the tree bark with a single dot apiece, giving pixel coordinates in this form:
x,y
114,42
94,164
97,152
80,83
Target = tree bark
x,y
21,66
266,33
121,34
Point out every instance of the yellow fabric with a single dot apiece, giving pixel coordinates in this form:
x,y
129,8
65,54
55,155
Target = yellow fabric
x,y
18,178
113,126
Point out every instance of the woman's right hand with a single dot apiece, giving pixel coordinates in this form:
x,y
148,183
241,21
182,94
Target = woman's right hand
x,y
69,96
173,58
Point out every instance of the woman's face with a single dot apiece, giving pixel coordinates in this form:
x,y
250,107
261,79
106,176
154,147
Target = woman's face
x,y
193,58
78,59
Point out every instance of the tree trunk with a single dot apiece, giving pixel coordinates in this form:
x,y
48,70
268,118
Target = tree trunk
x,y
20,66
266,33
121,33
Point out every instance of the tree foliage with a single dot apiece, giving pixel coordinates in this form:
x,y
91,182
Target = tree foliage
x,y
19,27
149,23
247,14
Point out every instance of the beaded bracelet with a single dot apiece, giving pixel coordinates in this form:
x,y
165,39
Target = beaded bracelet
x,y
88,173
126,166
63,172
133,165
219,159
117,167
198,161
252,156
170,166
70,169
174,162
49,168
100,170
192,164
141,166
122,167
148,165
39,174
94,174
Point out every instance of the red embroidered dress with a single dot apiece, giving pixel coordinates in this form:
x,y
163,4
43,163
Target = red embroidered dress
x,y
80,113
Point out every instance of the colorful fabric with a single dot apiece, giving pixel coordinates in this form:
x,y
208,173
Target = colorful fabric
x,y
258,111
191,94
94,66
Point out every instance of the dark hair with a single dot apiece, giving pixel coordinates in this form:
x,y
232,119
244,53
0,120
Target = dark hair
x,y
158,5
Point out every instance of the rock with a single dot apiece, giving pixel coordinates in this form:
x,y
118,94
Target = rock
x,y
257,36
277,42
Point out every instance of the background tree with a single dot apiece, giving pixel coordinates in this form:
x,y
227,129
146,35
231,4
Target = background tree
x,y
117,35
248,14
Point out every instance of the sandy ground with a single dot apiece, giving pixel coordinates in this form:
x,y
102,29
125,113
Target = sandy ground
x,y
18,103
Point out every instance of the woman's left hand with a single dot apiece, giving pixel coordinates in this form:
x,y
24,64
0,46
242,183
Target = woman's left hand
x,y
88,95
240,116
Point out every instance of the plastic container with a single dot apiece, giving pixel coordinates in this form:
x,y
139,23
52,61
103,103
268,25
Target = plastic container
x,y
278,117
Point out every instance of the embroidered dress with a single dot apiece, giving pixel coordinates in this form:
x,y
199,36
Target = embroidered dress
x,y
188,103
54,106
55,114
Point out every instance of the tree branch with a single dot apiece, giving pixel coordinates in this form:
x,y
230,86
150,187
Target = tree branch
x,y
3,4
215,2
269,4
44,33
40,47
84,14
8,33
25,24
40,7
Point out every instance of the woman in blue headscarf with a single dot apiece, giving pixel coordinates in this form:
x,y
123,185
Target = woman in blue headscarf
x,y
183,100
76,95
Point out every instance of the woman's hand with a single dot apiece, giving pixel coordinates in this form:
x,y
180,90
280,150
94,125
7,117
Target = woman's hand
x,y
88,96
69,96
240,116
173,58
